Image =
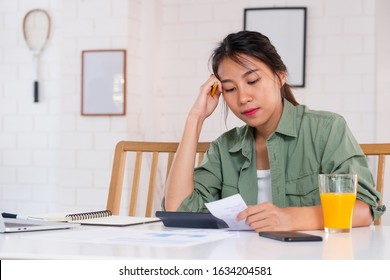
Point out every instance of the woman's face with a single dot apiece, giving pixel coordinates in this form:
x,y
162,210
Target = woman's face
x,y
252,91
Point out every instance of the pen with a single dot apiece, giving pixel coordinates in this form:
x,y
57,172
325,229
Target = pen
x,y
214,89
13,216
9,215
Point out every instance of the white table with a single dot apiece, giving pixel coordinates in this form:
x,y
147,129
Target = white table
x,y
362,243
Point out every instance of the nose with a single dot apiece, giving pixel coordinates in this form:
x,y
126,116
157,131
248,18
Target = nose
x,y
245,96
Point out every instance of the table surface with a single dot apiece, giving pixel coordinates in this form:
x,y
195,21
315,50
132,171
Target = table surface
x,y
361,243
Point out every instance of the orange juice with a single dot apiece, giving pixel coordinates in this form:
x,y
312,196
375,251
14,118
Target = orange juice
x,y
337,210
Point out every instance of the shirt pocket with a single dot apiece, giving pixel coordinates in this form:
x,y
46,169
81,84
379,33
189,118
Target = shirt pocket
x,y
303,191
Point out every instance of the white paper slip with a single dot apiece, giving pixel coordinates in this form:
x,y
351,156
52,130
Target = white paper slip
x,y
227,209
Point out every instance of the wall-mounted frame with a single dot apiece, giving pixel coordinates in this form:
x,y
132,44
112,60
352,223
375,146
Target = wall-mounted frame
x,y
286,28
103,83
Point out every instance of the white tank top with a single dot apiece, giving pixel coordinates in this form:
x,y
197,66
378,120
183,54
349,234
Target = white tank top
x,y
264,190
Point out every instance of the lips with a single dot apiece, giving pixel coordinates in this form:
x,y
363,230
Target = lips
x,y
250,112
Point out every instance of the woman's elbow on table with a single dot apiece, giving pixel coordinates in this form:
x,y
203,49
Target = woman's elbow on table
x,y
362,216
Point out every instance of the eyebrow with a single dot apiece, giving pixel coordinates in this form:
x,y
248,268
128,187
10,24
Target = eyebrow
x,y
242,76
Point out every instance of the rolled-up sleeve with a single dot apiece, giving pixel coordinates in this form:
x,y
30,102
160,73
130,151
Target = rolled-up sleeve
x,y
208,172
342,154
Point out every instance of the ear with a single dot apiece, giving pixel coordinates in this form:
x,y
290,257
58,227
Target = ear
x,y
282,77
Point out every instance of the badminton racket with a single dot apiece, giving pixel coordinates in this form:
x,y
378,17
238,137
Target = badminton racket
x,y
36,31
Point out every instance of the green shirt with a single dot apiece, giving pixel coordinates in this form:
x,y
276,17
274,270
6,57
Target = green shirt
x,y
306,143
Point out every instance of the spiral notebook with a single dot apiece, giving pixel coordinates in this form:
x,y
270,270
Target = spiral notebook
x,y
101,218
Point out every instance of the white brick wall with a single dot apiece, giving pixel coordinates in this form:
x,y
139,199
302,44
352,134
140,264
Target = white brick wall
x,y
53,159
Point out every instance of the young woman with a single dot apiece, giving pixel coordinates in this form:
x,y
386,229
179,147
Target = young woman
x,y
274,160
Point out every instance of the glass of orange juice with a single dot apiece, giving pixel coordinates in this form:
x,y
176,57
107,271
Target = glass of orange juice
x,y
338,196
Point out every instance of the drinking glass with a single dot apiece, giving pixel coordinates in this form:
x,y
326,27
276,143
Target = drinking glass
x,y
338,196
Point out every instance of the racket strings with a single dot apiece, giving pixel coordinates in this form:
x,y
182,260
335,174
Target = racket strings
x,y
36,28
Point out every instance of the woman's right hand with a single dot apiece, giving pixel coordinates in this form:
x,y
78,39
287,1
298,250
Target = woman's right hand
x,y
205,104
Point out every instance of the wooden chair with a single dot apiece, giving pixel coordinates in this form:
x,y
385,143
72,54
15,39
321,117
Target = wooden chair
x,y
380,151
141,149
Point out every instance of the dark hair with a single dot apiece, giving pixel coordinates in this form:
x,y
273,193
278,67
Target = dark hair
x,y
256,45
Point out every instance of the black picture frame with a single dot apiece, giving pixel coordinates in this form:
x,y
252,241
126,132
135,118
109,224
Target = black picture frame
x,y
286,29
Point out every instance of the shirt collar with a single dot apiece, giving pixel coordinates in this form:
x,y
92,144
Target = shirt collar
x,y
288,121
244,143
287,126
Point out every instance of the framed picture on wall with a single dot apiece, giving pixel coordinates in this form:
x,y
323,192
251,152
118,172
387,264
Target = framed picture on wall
x,y
286,29
103,89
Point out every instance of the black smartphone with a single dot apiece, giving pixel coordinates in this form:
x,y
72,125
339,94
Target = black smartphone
x,y
290,236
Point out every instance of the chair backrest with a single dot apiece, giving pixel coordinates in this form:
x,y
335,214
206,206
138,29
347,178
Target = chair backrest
x,y
169,148
380,151
141,149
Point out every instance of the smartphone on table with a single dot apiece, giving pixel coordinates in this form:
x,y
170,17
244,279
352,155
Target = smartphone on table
x,y
290,236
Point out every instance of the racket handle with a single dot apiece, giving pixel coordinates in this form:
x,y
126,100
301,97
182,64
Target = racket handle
x,y
36,91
